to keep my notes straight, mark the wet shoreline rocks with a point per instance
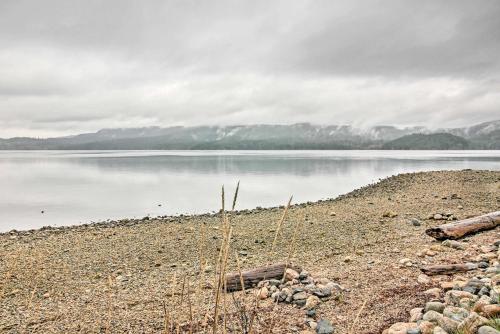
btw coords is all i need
(304, 291)
(460, 306)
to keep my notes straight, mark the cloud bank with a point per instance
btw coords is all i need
(74, 66)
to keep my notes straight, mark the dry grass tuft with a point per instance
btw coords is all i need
(244, 314)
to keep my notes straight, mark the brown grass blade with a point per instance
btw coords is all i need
(280, 224)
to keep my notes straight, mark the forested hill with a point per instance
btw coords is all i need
(435, 141)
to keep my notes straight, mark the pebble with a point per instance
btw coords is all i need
(491, 311)
(405, 261)
(401, 328)
(416, 314)
(437, 248)
(455, 313)
(312, 302)
(487, 330)
(495, 293)
(483, 265)
(473, 322)
(390, 214)
(453, 244)
(275, 296)
(488, 248)
(300, 296)
(274, 282)
(311, 313)
(415, 222)
(432, 316)
(484, 291)
(433, 293)
(324, 327)
(426, 327)
(423, 279)
(303, 275)
(263, 293)
(291, 274)
(434, 306)
(448, 324)
(470, 289)
(323, 291)
(439, 330)
(454, 296)
(466, 303)
(414, 331)
(285, 295)
(322, 280)
(447, 285)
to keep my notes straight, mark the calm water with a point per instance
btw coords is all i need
(73, 187)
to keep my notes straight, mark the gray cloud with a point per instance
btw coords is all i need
(72, 66)
(398, 38)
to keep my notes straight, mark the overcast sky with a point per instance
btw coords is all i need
(76, 66)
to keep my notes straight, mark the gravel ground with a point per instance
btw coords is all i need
(114, 277)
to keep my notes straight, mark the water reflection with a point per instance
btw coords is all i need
(77, 187)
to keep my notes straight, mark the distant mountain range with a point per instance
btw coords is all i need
(266, 137)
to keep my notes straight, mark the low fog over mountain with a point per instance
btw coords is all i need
(265, 136)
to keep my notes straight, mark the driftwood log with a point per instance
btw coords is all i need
(463, 227)
(253, 276)
(448, 269)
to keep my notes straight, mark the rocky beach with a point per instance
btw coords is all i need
(360, 257)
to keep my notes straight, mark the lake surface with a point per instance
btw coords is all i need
(74, 187)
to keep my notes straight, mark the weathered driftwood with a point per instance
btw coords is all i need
(253, 276)
(463, 227)
(448, 269)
